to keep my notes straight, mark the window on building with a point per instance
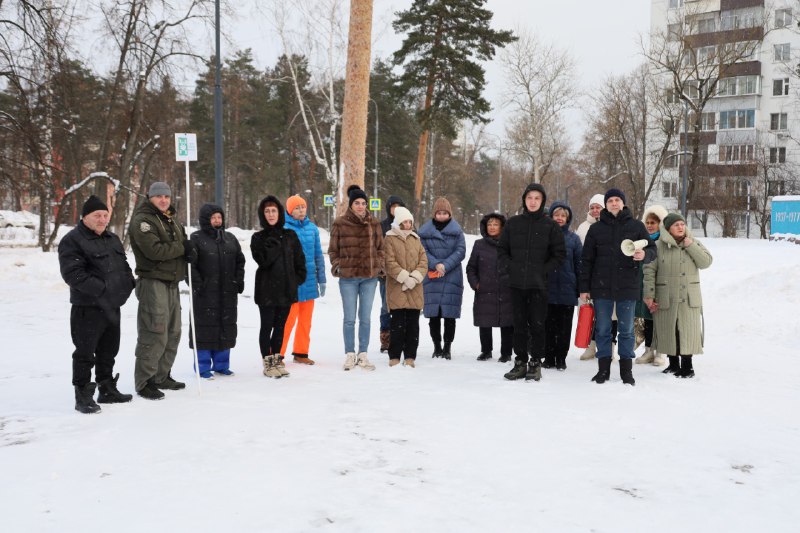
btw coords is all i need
(670, 189)
(776, 188)
(783, 17)
(708, 121)
(783, 52)
(736, 153)
(702, 154)
(673, 4)
(706, 25)
(733, 20)
(670, 160)
(737, 187)
(706, 54)
(737, 86)
(780, 87)
(671, 96)
(737, 119)
(740, 221)
(674, 32)
(778, 121)
(777, 155)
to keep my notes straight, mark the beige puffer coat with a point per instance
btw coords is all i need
(673, 280)
(405, 258)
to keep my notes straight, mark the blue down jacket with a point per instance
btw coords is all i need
(562, 285)
(447, 247)
(308, 233)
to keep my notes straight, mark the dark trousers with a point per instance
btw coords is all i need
(273, 320)
(648, 332)
(404, 336)
(559, 330)
(530, 316)
(95, 335)
(506, 340)
(435, 325)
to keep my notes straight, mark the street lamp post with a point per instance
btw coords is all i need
(748, 208)
(500, 182)
(377, 129)
(685, 158)
(218, 188)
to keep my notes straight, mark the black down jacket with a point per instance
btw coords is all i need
(607, 273)
(531, 246)
(95, 268)
(280, 258)
(217, 280)
(492, 306)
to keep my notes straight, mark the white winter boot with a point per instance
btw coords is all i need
(363, 361)
(269, 367)
(280, 366)
(349, 361)
(658, 359)
(590, 352)
(647, 357)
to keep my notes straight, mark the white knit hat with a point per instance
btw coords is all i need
(598, 199)
(401, 214)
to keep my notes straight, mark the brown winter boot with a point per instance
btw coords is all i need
(302, 359)
(385, 336)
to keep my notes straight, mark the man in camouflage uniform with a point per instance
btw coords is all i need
(162, 250)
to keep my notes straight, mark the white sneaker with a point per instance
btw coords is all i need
(350, 361)
(647, 357)
(658, 359)
(590, 352)
(363, 361)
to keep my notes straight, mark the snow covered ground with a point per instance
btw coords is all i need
(448, 446)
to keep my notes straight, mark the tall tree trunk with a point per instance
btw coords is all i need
(356, 99)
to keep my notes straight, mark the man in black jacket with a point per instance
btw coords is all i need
(531, 247)
(94, 265)
(611, 279)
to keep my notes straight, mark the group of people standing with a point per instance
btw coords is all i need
(528, 273)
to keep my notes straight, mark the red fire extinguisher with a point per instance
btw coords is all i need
(583, 332)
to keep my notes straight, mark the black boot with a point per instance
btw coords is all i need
(170, 384)
(674, 365)
(504, 358)
(446, 351)
(604, 370)
(561, 362)
(485, 356)
(84, 399)
(534, 370)
(518, 372)
(437, 348)
(686, 370)
(150, 392)
(626, 371)
(110, 394)
(549, 361)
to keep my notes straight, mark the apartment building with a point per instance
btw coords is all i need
(739, 63)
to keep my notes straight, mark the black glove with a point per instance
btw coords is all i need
(189, 251)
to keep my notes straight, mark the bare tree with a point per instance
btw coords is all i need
(540, 86)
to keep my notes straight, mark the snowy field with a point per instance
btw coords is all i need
(448, 446)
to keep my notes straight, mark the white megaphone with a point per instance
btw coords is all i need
(629, 247)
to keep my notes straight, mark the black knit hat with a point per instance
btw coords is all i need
(611, 193)
(93, 204)
(672, 218)
(354, 192)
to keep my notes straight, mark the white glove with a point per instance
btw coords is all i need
(409, 283)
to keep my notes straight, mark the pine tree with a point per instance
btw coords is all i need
(445, 40)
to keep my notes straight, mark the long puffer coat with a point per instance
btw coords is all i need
(280, 258)
(562, 285)
(492, 306)
(449, 248)
(405, 257)
(673, 280)
(531, 246)
(217, 281)
(607, 273)
(308, 233)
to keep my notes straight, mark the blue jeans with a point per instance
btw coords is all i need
(625, 314)
(357, 297)
(386, 317)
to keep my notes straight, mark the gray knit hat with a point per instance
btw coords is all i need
(159, 188)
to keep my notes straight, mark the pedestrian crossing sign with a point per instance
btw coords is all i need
(374, 204)
(327, 200)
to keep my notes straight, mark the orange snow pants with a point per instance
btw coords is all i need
(301, 313)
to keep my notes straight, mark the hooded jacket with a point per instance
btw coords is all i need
(280, 258)
(95, 268)
(562, 286)
(217, 280)
(446, 246)
(492, 305)
(607, 273)
(157, 243)
(531, 246)
(308, 233)
(405, 257)
(386, 223)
